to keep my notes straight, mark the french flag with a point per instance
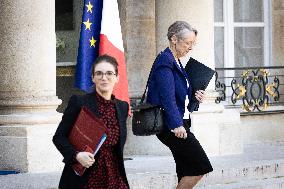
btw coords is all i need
(101, 34)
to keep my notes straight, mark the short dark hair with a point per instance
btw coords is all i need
(108, 59)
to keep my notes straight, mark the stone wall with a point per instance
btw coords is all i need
(278, 38)
(262, 128)
(140, 47)
(27, 89)
(277, 32)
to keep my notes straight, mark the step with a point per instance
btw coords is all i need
(245, 171)
(30, 181)
(272, 183)
(259, 161)
(260, 166)
(161, 172)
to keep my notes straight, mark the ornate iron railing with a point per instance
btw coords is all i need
(255, 89)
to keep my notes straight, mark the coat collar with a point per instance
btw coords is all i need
(175, 63)
(173, 60)
(93, 105)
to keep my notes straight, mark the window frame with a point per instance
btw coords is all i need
(228, 24)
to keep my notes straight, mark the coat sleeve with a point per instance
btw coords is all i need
(60, 138)
(166, 86)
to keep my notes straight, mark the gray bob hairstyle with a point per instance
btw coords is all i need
(179, 29)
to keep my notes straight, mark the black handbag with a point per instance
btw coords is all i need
(147, 119)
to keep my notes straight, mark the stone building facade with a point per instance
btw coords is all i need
(34, 79)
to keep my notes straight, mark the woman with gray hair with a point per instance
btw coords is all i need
(169, 87)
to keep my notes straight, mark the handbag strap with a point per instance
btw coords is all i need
(144, 94)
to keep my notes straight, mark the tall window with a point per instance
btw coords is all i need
(242, 36)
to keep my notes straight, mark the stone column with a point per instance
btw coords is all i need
(210, 124)
(277, 38)
(199, 14)
(277, 35)
(139, 18)
(28, 100)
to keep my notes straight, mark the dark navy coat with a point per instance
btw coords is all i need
(168, 88)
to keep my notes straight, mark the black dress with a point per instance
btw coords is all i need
(190, 158)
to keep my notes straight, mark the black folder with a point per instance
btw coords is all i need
(199, 77)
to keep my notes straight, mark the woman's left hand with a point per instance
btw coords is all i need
(199, 95)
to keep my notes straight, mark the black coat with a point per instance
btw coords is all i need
(69, 180)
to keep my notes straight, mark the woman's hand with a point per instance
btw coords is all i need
(199, 95)
(180, 132)
(85, 158)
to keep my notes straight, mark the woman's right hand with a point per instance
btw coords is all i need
(85, 158)
(180, 132)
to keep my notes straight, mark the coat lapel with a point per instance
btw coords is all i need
(178, 67)
(172, 58)
(93, 106)
(92, 103)
(119, 113)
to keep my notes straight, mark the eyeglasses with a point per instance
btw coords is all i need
(108, 74)
(189, 43)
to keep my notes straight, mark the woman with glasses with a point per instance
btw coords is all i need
(106, 169)
(169, 87)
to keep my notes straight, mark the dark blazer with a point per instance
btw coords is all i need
(69, 180)
(168, 88)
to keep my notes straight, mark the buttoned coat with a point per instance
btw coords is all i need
(168, 87)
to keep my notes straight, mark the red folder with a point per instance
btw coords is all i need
(87, 134)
